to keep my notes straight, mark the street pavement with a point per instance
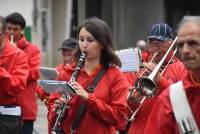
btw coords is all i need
(40, 125)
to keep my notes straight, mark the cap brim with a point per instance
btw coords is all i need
(67, 48)
(159, 38)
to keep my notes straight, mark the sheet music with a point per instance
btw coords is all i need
(51, 86)
(130, 60)
(48, 73)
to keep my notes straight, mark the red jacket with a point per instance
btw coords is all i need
(106, 106)
(145, 56)
(28, 97)
(50, 104)
(44, 96)
(162, 119)
(42, 93)
(138, 124)
(13, 74)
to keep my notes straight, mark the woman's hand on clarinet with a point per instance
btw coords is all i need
(79, 90)
(59, 102)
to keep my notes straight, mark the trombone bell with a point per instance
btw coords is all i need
(145, 86)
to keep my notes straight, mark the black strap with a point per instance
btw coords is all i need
(125, 131)
(82, 107)
(96, 80)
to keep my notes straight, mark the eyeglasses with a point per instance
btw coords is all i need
(155, 41)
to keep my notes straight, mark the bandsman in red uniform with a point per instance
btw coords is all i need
(15, 24)
(162, 119)
(13, 77)
(159, 39)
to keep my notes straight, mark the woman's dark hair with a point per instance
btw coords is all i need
(17, 19)
(101, 32)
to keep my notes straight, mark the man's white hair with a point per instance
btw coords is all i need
(195, 19)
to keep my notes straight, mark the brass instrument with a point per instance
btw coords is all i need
(146, 85)
(169, 60)
(61, 110)
(142, 74)
(12, 39)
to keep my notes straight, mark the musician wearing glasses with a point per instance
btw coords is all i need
(159, 39)
(142, 45)
(105, 103)
(13, 77)
(15, 24)
(162, 118)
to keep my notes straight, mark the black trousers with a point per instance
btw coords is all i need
(10, 124)
(27, 126)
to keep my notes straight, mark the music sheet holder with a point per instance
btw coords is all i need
(51, 86)
(48, 73)
(130, 60)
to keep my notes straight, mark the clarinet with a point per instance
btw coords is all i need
(61, 110)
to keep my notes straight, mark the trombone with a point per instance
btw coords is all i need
(12, 40)
(142, 74)
(146, 86)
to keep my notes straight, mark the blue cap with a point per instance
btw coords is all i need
(161, 31)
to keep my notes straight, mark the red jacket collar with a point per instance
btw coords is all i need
(189, 81)
(22, 42)
(72, 67)
(195, 81)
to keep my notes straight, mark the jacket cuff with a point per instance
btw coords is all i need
(90, 99)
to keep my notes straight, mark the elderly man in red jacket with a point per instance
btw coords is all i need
(15, 24)
(162, 119)
(159, 39)
(13, 77)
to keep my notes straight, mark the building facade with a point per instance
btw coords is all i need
(52, 21)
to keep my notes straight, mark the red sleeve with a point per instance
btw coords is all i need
(34, 63)
(41, 93)
(161, 119)
(131, 77)
(14, 80)
(163, 84)
(173, 73)
(114, 112)
(145, 56)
